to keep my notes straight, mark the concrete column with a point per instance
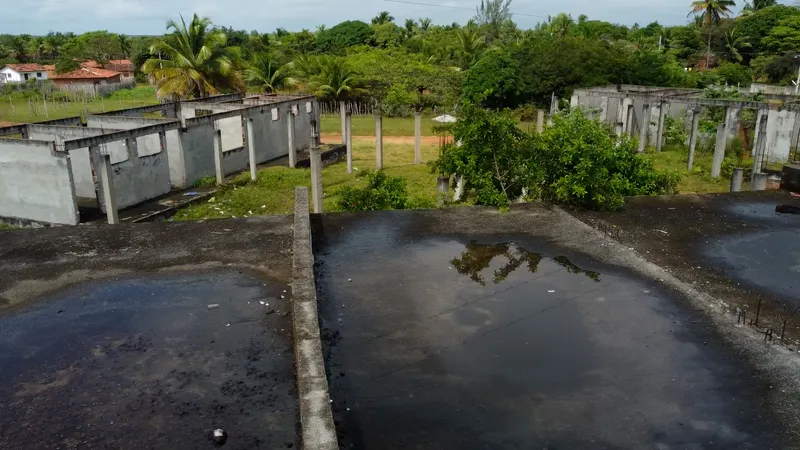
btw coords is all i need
(162, 140)
(736, 179)
(442, 188)
(130, 146)
(349, 141)
(378, 141)
(540, 121)
(719, 152)
(630, 116)
(619, 123)
(316, 179)
(342, 112)
(603, 109)
(760, 146)
(553, 108)
(417, 137)
(251, 147)
(218, 157)
(731, 124)
(693, 135)
(662, 118)
(290, 134)
(758, 135)
(107, 184)
(758, 181)
(574, 101)
(644, 128)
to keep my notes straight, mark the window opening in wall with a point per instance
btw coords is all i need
(275, 114)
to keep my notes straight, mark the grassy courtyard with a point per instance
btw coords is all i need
(273, 192)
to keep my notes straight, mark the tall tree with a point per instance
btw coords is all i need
(382, 18)
(735, 43)
(757, 5)
(266, 72)
(492, 15)
(335, 80)
(470, 46)
(712, 12)
(193, 61)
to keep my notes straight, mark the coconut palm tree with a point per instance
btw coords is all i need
(735, 43)
(383, 18)
(410, 27)
(470, 46)
(424, 24)
(335, 80)
(712, 12)
(268, 74)
(193, 61)
(756, 5)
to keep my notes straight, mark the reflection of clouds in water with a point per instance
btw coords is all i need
(477, 257)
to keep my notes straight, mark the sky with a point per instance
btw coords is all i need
(147, 17)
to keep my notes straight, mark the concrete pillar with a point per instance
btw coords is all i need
(290, 134)
(540, 121)
(251, 147)
(603, 109)
(130, 146)
(758, 181)
(349, 141)
(736, 179)
(460, 186)
(760, 146)
(342, 112)
(417, 137)
(218, 157)
(694, 133)
(378, 141)
(619, 123)
(162, 140)
(574, 101)
(442, 188)
(719, 152)
(553, 108)
(316, 179)
(107, 184)
(731, 124)
(630, 116)
(758, 134)
(644, 128)
(662, 118)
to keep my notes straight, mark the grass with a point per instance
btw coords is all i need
(699, 180)
(365, 125)
(273, 192)
(125, 98)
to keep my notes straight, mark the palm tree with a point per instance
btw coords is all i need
(424, 24)
(193, 61)
(268, 74)
(470, 46)
(712, 12)
(335, 80)
(757, 5)
(734, 42)
(383, 18)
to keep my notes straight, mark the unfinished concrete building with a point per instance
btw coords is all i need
(642, 111)
(119, 159)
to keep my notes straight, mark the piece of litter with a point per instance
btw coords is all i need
(190, 194)
(262, 302)
(250, 212)
(349, 280)
(219, 437)
(662, 231)
(266, 304)
(283, 296)
(284, 291)
(214, 306)
(551, 291)
(348, 409)
(228, 325)
(263, 206)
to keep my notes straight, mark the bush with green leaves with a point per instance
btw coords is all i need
(575, 161)
(380, 192)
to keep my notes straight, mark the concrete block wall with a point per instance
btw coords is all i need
(36, 183)
(137, 179)
(82, 169)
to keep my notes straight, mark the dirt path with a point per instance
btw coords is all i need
(337, 137)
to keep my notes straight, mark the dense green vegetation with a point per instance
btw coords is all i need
(417, 65)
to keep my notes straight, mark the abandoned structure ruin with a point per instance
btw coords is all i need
(642, 111)
(122, 158)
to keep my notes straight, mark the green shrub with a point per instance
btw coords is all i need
(205, 182)
(380, 192)
(420, 202)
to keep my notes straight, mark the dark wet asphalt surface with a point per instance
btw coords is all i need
(465, 342)
(143, 363)
(767, 259)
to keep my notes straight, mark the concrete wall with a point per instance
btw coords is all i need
(82, 172)
(147, 145)
(36, 183)
(139, 178)
(780, 125)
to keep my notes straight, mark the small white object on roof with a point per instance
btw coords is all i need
(445, 118)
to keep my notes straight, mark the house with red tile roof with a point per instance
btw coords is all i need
(87, 79)
(20, 73)
(125, 67)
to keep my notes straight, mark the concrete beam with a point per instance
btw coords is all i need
(119, 136)
(218, 106)
(693, 135)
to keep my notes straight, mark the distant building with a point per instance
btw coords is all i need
(125, 67)
(20, 73)
(88, 80)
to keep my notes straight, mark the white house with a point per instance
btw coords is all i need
(20, 73)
